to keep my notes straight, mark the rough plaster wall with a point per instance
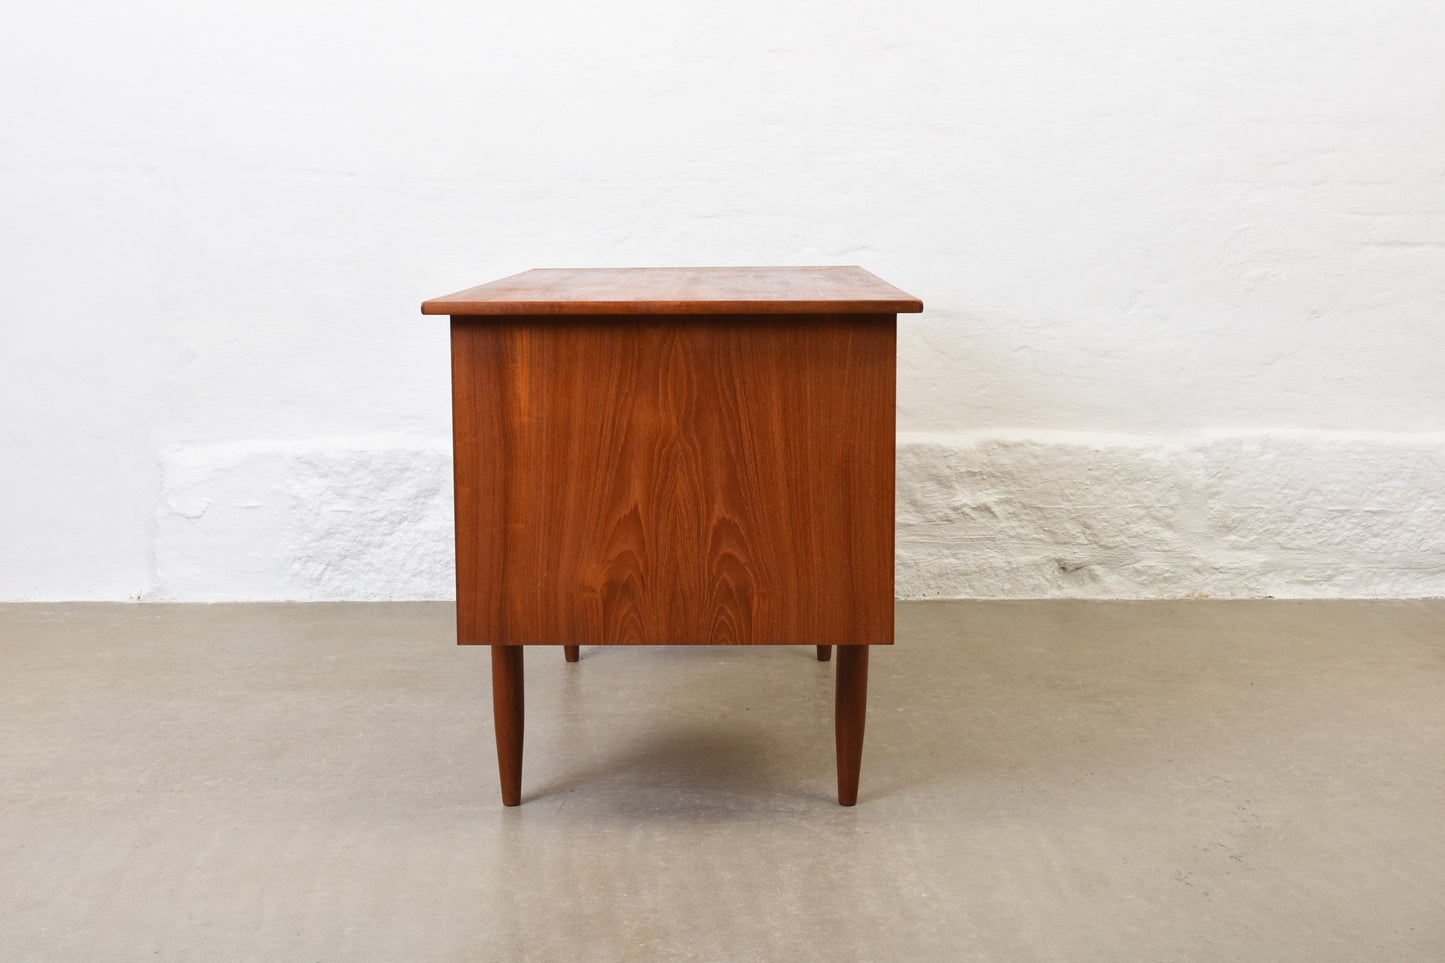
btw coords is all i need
(1298, 515)
(1027, 515)
(323, 519)
(1139, 229)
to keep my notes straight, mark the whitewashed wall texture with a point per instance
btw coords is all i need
(1184, 269)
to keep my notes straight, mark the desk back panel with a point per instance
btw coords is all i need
(698, 479)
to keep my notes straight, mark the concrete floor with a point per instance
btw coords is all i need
(1041, 781)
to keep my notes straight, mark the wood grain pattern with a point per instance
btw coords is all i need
(850, 712)
(679, 291)
(626, 480)
(508, 719)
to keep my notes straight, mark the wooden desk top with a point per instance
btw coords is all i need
(704, 290)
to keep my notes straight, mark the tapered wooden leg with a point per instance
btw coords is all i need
(850, 710)
(571, 652)
(507, 714)
(825, 652)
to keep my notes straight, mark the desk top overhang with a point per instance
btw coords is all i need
(699, 290)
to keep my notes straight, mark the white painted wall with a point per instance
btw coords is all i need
(1184, 268)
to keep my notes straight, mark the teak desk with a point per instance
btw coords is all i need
(675, 456)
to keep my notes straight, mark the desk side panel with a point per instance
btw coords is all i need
(633, 481)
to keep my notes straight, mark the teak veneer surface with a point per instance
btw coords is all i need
(680, 291)
(632, 480)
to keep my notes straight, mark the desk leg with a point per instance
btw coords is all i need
(571, 652)
(825, 652)
(850, 710)
(507, 717)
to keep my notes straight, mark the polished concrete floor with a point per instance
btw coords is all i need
(1067, 781)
